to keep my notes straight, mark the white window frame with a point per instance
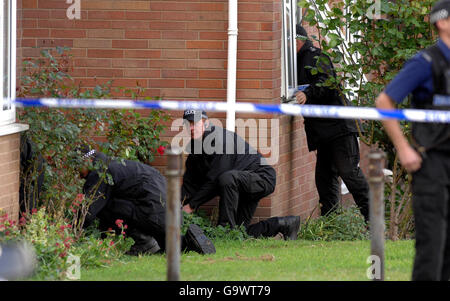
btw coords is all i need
(8, 26)
(347, 37)
(290, 18)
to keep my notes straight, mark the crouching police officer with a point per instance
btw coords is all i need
(220, 163)
(427, 77)
(138, 197)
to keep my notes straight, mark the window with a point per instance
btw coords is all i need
(291, 17)
(7, 60)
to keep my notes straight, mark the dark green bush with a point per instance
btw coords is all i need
(343, 224)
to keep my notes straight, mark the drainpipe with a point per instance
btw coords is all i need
(232, 58)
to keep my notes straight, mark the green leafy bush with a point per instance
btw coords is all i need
(54, 241)
(55, 135)
(384, 35)
(343, 224)
(212, 231)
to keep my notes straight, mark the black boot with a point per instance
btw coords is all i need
(289, 226)
(143, 244)
(197, 241)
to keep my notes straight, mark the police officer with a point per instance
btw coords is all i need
(427, 77)
(334, 139)
(136, 195)
(221, 163)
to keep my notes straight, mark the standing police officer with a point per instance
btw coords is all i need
(334, 139)
(427, 77)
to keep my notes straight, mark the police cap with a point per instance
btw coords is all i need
(194, 115)
(440, 11)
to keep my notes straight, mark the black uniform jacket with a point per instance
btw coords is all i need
(320, 130)
(138, 183)
(204, 168)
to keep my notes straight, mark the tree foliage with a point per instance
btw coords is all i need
(381, 36)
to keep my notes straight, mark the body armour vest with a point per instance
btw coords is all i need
(434, 136)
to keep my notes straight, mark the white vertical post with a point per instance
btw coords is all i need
(232, 63)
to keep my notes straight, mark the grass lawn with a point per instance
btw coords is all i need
(267, 260)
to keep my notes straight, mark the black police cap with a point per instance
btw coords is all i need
(300, 32)
(440, 11)
(194, 115)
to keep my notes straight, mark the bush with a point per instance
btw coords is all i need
(54, 241)
(379, 47)
(211, 231)
(55, 134)
(343, 224)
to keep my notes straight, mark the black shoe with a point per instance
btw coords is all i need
(197, 241)
(289, 226)
(143, 244)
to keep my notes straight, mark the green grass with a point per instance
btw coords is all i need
(267, 260)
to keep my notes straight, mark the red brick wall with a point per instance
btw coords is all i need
(177, 49)
(9, 174)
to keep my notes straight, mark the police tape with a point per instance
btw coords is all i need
(341, 112)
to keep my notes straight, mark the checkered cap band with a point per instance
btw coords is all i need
(89, 154)
(439, 15)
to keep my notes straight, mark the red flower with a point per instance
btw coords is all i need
(22, 221)
(79, 198)
(119, 223)
(33, 211)
(161, 150)
(111, 243)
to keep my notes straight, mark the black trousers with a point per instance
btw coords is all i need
(340, 158)
(148, 218)
(240, 193)
(431, 190)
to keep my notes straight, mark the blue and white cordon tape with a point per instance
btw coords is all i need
(342, 112)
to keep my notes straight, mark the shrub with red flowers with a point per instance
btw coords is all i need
(54, 242)
(56, 228)
(51, 240)
(56, 133)
(98, 249)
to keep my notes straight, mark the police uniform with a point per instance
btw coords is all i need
(223, 164)
(427, 77)
(138, 197)
(334, 139)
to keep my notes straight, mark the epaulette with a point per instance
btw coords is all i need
(427, 57)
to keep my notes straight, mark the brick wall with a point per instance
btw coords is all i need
(9, 174)
(177, 49)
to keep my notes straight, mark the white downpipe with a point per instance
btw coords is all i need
(232, 63)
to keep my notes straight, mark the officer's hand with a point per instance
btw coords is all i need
(410, 159)
(187, 208)
(301, 98)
